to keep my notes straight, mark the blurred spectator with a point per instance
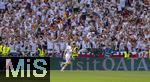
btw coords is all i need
(116, 24)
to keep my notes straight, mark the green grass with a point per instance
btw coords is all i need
(99, 76)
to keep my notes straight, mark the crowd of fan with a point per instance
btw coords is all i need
(117, 24)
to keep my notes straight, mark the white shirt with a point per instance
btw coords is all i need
(12, 48)
(34, 46)
(57, 47)
(34, 8)
(62, 45)
(147, 36)
(121, 47)
(122, 3)
(68, 50)
(85, 45)
(139, 44)
(50, 44)
(2, 5)
(129, 45)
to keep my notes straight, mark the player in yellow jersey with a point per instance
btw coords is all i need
(74, 50)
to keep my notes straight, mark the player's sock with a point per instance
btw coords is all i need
(63, 67)
(61, 64)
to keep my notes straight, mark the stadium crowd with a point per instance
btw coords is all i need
(26, 25)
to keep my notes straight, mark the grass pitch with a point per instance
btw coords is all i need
(99, 76)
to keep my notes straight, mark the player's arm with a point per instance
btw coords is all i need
(65, 52)
(77, 50)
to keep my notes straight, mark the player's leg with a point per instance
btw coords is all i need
(66, 64)
(68, 61)
(64, 67)
(63, 63)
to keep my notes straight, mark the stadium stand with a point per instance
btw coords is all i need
(31, 27)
